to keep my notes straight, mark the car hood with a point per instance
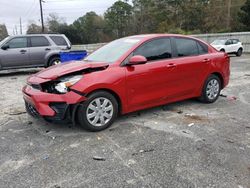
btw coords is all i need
(56, 71)
(217, 46)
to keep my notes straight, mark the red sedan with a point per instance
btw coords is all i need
(127, 75)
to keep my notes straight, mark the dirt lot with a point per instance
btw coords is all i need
(186, 144)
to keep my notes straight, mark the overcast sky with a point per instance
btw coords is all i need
(28, 10)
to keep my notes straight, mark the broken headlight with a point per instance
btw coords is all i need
(65, 83)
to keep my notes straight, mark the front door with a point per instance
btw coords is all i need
(148, 83)
(17, 55)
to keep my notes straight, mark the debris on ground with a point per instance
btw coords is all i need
(191, 124)
(47, 131)
(231, 98)
(15, 113)
(180, 112)
(230, 141)
(13, 78)
(143, 151)
(247, 74)
(98, 158)
(30, 123)
(46, 157)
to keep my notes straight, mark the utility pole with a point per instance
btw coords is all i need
(41, 10)
(21, 27)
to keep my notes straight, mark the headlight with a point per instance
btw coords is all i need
(65, 83)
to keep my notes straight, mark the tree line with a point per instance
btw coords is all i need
(152, 16)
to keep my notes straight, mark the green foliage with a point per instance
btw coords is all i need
(244, 15)
(152, 16)
(33, 28)
(118, 18)
(3, 31)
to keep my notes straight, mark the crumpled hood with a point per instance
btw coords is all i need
(67, 68)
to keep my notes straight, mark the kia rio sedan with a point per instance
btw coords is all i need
(127, 75)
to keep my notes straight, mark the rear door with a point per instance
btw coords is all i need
(147, 84)
(17, 55)
(192, 64)
(39, 47)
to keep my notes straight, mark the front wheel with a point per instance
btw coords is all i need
(211, 89)
(239, 52)
(98, 112)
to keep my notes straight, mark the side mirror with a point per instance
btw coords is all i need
(5, 47)
(137, 59)
(227, 43)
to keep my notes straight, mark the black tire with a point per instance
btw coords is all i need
(82, 111)
(53, 61)
(222, 50)
(205, 98)
(239, 52)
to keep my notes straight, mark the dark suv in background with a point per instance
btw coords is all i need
(38, 50)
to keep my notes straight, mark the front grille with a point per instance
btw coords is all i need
(61, 110)
(31, 110)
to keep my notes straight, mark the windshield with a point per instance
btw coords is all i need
(3, 41)
(219, 42)
(111, 52)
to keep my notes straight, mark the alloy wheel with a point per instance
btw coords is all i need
(213, 89)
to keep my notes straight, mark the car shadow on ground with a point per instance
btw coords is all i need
(61, 128)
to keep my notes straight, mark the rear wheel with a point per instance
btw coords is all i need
(54, 61)
(239, 52)
(98, 112)
(211, 89)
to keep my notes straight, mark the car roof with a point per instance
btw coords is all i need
(145, 37)
(33, 35)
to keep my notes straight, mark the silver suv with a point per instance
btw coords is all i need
(38, 50)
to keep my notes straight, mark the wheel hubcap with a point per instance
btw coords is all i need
(213, 89)
(56, 62)
(99, 111)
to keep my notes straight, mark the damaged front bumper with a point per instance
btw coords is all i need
(52, 107)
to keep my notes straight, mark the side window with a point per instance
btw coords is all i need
(20, 42)
(229, 42)
(186, 47)
(203, 49)
(235, 41)
(58, 40)
(156, 49)
(39, 41)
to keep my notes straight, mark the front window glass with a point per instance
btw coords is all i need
(111, 52)
(156, 49)
(20, 42)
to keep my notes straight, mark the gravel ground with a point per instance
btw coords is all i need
(185, 144)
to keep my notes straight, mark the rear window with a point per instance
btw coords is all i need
(203, 49)
(39, 41)
(186, 47)
(58, 40)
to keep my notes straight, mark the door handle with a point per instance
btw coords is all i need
(171, 65)
(23, 51)
(47, 49)
(206, 60)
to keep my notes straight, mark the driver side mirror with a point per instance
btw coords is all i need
(5, 46)
(137, 59)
